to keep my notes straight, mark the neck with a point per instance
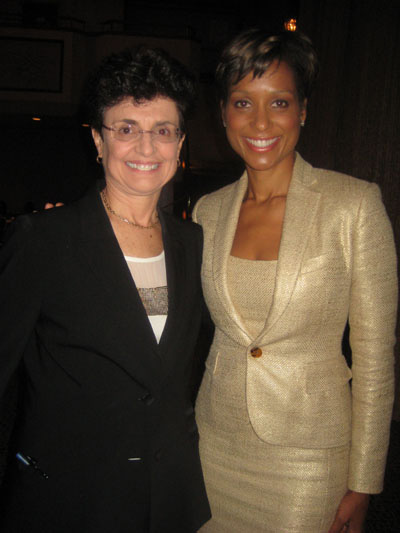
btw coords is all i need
(267, 184)
(139, 209)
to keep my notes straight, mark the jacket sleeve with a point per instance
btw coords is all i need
(204, 338)
(195, 212)
(372, 319)
(20, 289)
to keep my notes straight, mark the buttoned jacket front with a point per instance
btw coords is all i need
(106, 410)
(336, 263)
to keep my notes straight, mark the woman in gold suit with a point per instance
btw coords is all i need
(292, 439)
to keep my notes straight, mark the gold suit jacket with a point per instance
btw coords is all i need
(336, 263)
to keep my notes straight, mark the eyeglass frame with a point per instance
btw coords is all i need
(154, 136)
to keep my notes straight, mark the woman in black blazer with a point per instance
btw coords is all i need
(102, 305)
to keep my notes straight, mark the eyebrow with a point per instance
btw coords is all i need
(277, 91)
(135, 122)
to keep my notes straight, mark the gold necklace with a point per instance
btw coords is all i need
(111, 210)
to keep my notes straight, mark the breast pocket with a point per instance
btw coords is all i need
(327, 262)
(320, 292)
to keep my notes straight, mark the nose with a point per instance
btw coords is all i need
(261, 118)
(145, 144)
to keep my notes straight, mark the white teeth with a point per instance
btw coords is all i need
(261, 143)
(142, 166)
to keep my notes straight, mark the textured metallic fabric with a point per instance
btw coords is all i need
(336, 262)
(258, 487)
(154, 300)
(249, 482)
(254, 303)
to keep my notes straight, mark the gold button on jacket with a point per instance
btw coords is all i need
(256, 352)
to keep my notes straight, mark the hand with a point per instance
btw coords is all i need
(48, 205)
(351, 513)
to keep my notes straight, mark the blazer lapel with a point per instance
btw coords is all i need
(174, 263)
(301, 208)
(225, 233)
(100, 249)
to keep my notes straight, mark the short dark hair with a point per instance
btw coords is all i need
(142, 73)
(253, 50)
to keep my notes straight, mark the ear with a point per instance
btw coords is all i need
(223, 113)
(180, 144)
(303, 110)
(98, 141)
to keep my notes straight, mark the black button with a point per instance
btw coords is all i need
(148, 399)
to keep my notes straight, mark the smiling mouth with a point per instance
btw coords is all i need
(142, 166)
(261, 143)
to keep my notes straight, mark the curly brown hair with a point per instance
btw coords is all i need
(142, 73)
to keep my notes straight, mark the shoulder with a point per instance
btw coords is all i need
(183, 236)
(338, 187)
(208, 205)
(184, 228)
(44, 229)
(31, 226)
(332, 181)
(189, 233)
(24, 242)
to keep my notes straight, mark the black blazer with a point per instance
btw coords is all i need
(106, 411)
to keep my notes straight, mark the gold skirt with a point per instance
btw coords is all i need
(256, 487)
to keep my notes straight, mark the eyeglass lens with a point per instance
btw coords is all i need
(165, 133)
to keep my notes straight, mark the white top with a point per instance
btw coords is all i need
(150, 277)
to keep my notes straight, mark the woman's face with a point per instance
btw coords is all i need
(143, 166)
(263, 116)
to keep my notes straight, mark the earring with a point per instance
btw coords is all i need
(178, 162)
(99, 159)
(224, 124)
(302, 123)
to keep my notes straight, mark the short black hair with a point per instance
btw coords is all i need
(141, 73)
(254, 50)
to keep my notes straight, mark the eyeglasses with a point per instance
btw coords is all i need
(125, 132)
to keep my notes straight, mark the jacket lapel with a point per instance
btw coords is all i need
(123, 307)
(301, 208)
(174, 263)
(225, 233)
